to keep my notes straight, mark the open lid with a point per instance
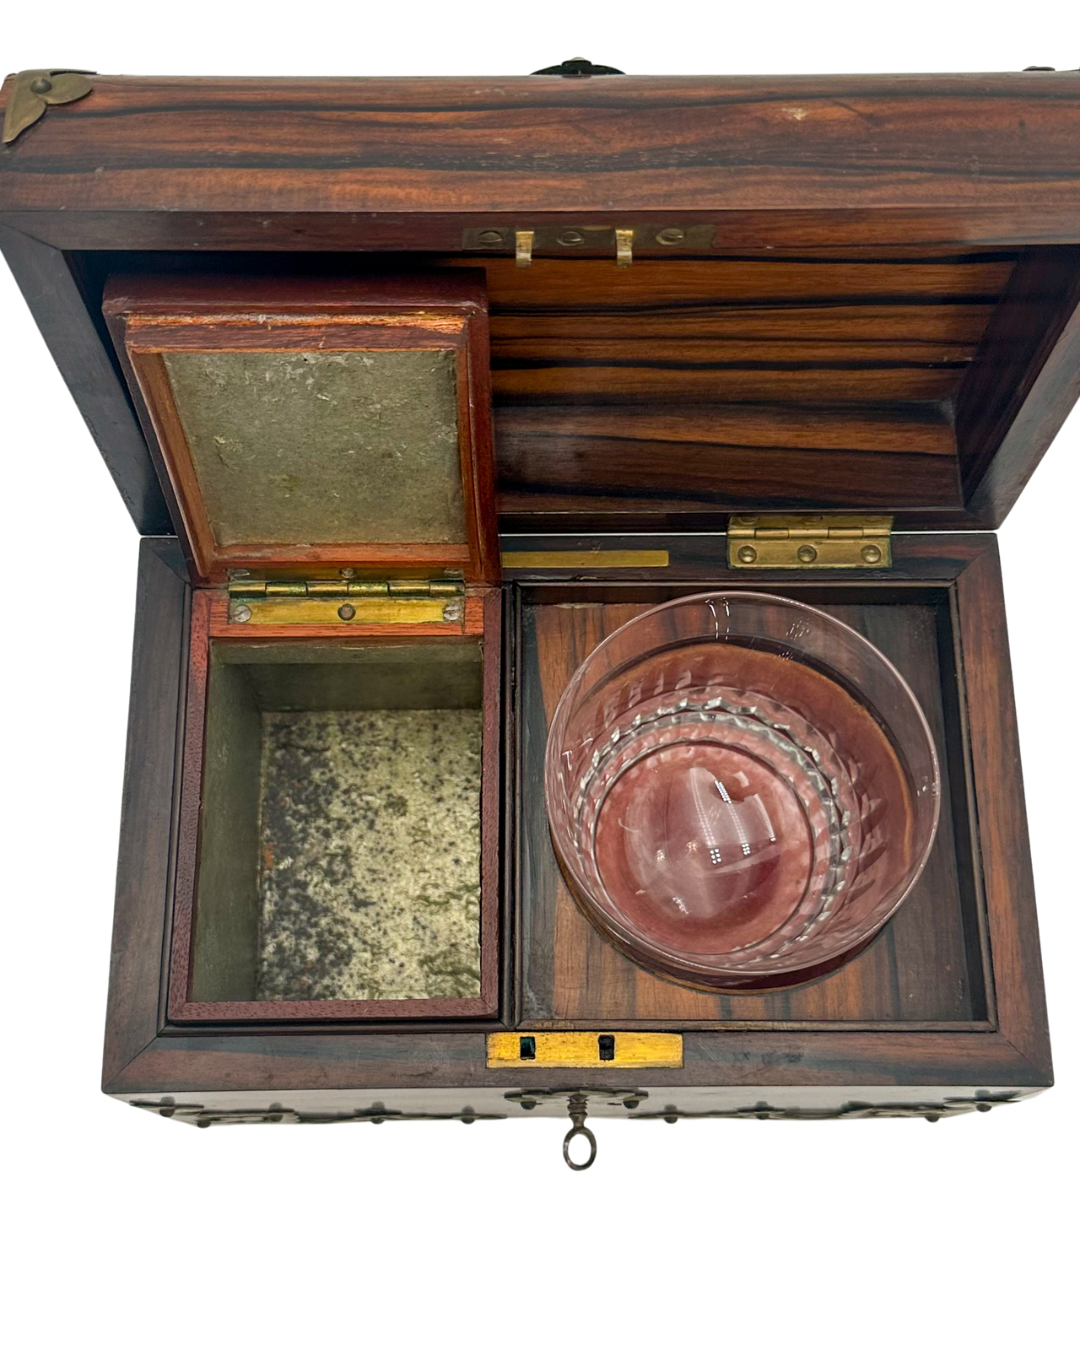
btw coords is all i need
(317, 423)
(709, 295)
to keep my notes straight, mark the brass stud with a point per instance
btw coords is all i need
(672, 235)
(42, 85)
(346, 612)
(871, 553)
(747, 554)
(806, 553)
(240, 614)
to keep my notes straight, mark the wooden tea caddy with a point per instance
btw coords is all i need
(805, 335)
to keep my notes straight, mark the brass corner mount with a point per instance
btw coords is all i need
(33, 91)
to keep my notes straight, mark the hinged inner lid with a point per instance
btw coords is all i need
(318, 423)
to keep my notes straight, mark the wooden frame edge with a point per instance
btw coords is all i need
(1001, 821)
(149, 813)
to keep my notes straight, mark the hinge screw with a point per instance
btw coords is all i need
(806, 553)
(346, 612)
(571, 238)
(871, 553)
(672, 235)
(348, 573)
(747, 554)
(240, 614)
(490, 237)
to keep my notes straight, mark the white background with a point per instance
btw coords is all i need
(123, 1225)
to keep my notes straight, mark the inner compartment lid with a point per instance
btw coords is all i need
(301, 423)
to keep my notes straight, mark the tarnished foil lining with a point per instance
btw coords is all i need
(323, 447)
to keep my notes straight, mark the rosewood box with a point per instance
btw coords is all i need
(418, 389)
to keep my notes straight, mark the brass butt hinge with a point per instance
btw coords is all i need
(344, 600)
(808, 542)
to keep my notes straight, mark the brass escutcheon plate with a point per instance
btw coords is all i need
(584, 1050)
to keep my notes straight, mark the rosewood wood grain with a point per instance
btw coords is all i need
(180, 940)
(181, 1008)
(86, 363)
(754, 381)
(493, 146)
(561, 465)
(1023, 382)
(492, 907)
(768, 233)
(565, 468)
(1001, 821)
(743, 329)
(146, 1057)
(218, 1061)
(148, 813)
(739, 329)
(880, 178)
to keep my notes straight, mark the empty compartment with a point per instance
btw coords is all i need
(340, 836)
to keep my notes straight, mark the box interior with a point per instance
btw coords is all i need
(340, 825)
(758, 383)
(928, 967)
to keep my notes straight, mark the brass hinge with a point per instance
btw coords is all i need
(810, 541)
(344, 600)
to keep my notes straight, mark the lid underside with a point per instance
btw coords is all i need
(300, 424)
(847, 293)
(323, 447)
